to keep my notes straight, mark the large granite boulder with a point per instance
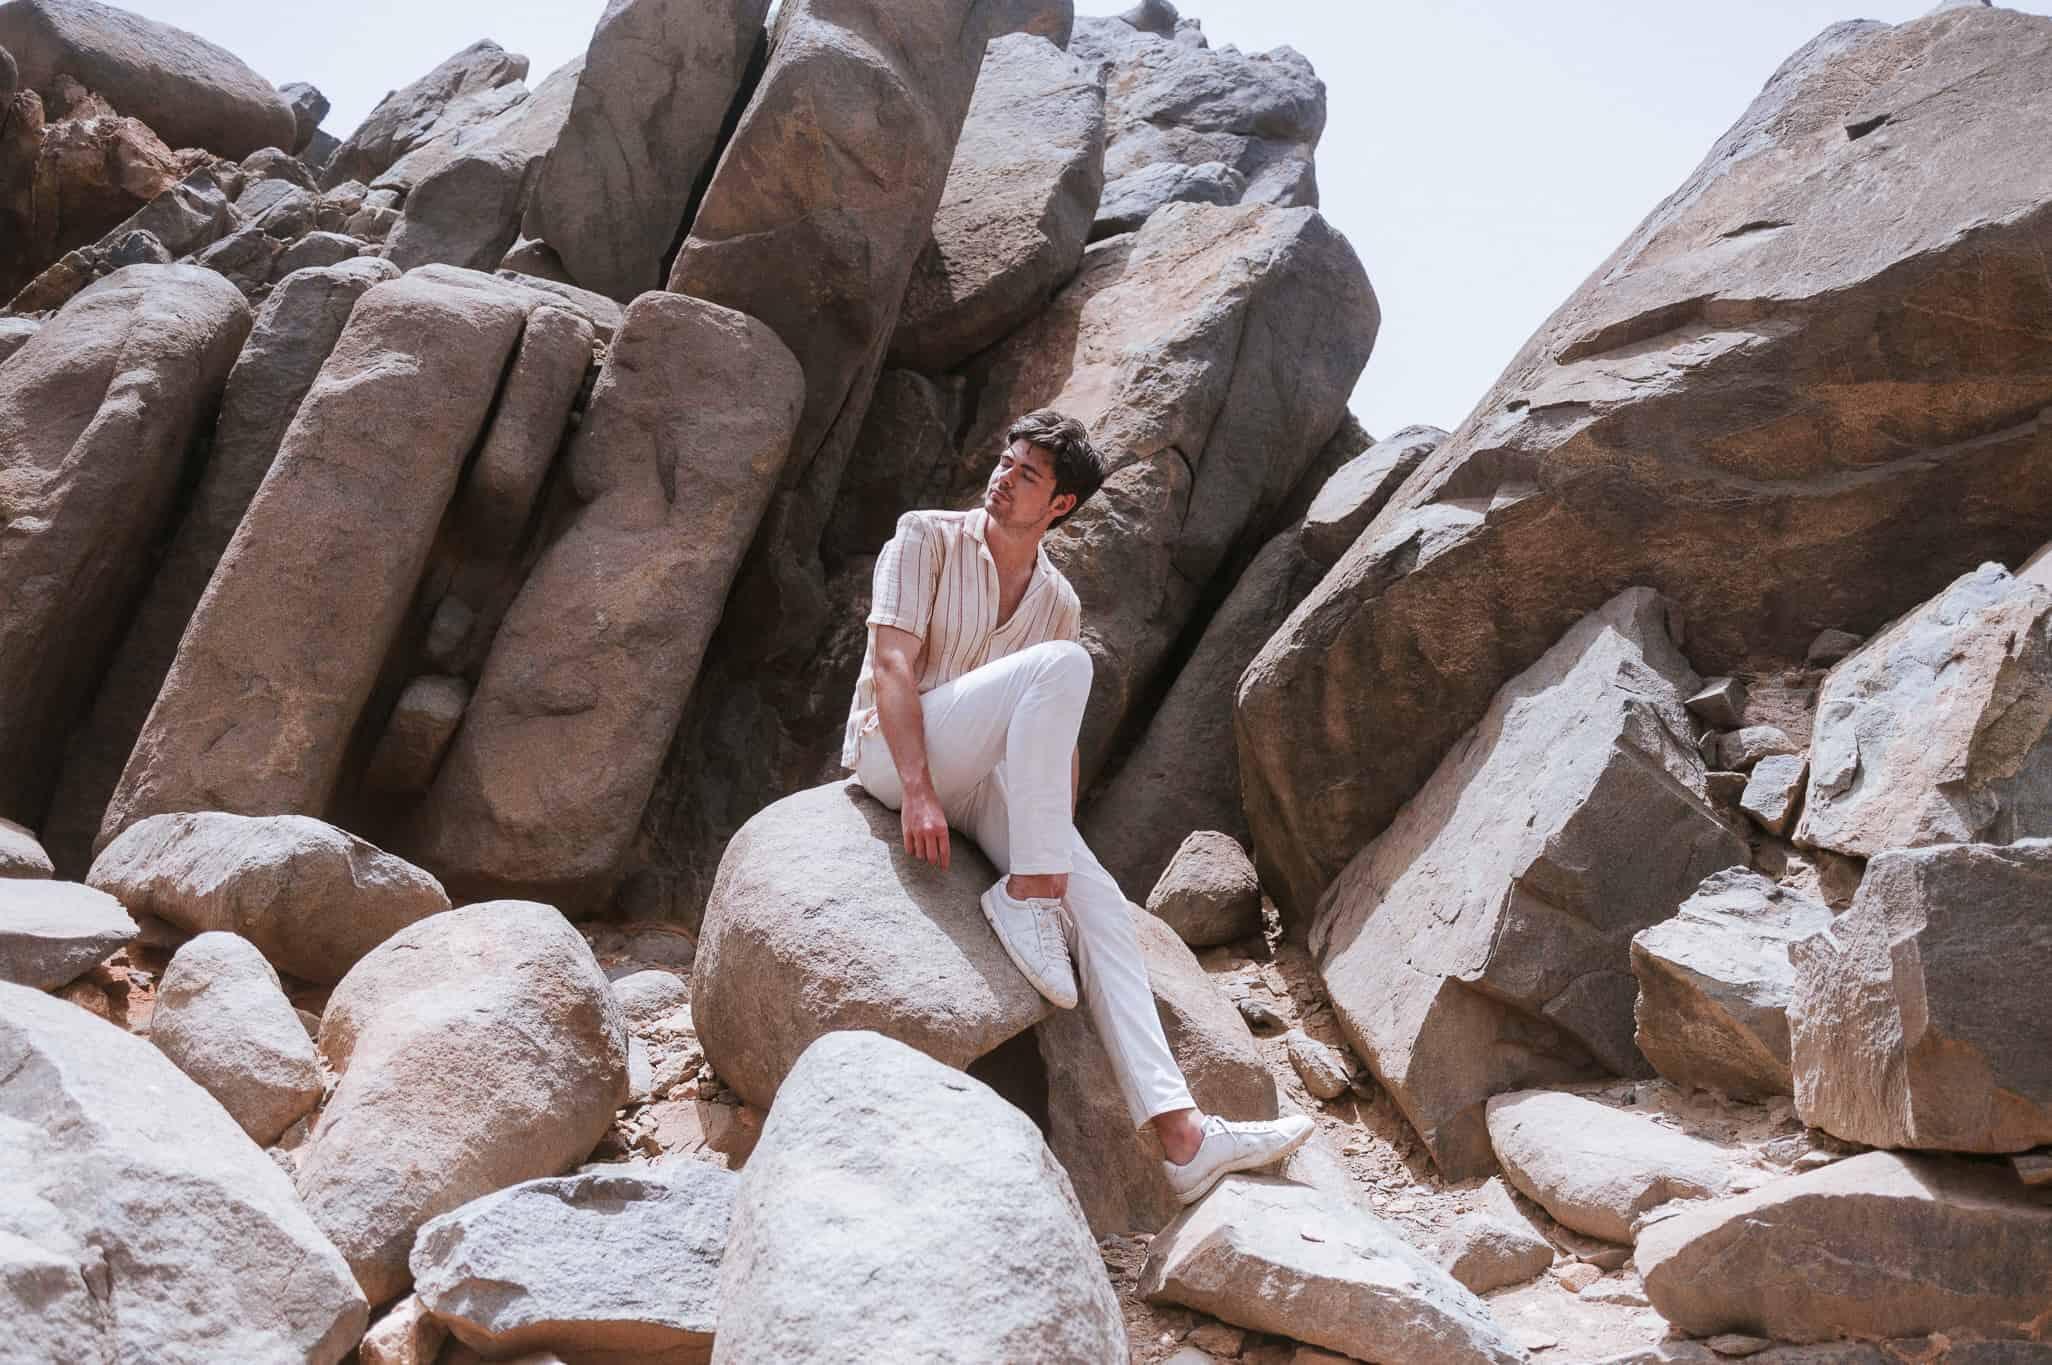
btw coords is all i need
(1184, 775)
(1880, 1245)
(222, 1018)
(192, 93)
(284, 648)
(676, 459)
(475, 1050)
(964, 1245)
(139, 1222)
(820, 205)
(1596, 1169)
(98, 412)
(51, 933)
(821, 921)
(495, 503)
(1939, 729)
(1118, 1181)
(623, 1260)
(1211, 355)
(1208, 893)
(1482, 943)
(66, 184)
(1715, 984)
(1300, 1262)
(1169, 101)
(1775, 403)
(1918, 1018)
(465, 211)
(313, 898)
(295, 329)
(464, 90)
(1018, 205)
(1362, 487)
(609, 197)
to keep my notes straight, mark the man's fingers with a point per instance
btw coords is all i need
(944, 851)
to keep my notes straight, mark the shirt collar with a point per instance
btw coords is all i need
(977, 524)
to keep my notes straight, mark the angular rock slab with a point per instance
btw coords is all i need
(609, 196)
(222, 1018)
(1276, 1257)
(1020, 197)
(1715, 984)
(475, 1049)
(1482, 944)
(678, 454)
(1596, 1169)
(542, 1266)
(295, 330)
(190, 92)
(51, 933)
(435, 105)
(1939, 729)
(1361, 488)
(313, 899)
(1918, 1018)
(140, 1223)
(1495, 1244)
(1757, 345)
(285, 646)
(819, 920)
(97, 415)
(1119, 1182)
(21, 855)
(964, 1245)
(1879, 1245)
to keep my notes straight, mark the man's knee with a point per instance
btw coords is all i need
(1066, 662)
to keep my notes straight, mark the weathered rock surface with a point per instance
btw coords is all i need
(1939, 729)
(1495, 1244)
(1596, 1169)
(97, 414)
(222, 1018)
(610, 196)
(253, 717)
(67, 181)
(821, 921)
(1879, 1245)
(140, 1223)
(1289, 1259)
(966, 1245)
(309, 106)
(1748, 746)
(1119, 1183)
(496, 1021)
(907, 435)
(52, 932)
(452, 95)
(1481, 944)
(407, 1335)
(192, 93)
(1322, 1068)
(465, 211)
(1132, 199)
(21, 855)
(598, 653)
(1017, 208)
(424, 720)
(1362, 487)
(1759, 376)
(1184, 774)
(497, 499)
(1918, 1017)
(1773, 790)
(313, 899)
(294, 332)
(1208, 893)
(540, 1266)
(1715, 984)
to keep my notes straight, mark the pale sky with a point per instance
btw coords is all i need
(1483, 156)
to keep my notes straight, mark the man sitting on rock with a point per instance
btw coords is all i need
(970, 697)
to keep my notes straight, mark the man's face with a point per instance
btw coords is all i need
(1021, 492)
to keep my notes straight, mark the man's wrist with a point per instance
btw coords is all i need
(918, 784)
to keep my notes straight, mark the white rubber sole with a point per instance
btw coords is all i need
(1065, 1000)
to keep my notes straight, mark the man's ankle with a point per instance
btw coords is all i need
(1050, 886)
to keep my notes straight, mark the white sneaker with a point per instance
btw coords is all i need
(1031, 931)
(1229, 1147)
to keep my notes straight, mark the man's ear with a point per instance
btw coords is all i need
(1061, 504)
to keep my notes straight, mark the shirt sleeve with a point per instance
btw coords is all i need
(1068, 623)
(907, 578)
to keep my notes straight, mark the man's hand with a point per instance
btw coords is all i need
(926, 828)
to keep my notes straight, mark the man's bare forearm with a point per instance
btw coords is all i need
(904, 728)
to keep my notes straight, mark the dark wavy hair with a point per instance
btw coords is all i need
(1078, 467)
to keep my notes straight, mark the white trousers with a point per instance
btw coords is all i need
(998, 741)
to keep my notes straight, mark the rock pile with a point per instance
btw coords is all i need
(419, 540)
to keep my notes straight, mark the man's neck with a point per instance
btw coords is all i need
(1012, 550)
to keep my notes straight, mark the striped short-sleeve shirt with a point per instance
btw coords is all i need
(936, 579)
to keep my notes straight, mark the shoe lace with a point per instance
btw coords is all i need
(1047, 930)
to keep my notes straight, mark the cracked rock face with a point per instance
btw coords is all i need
(1778, 403)
(1482, 944)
